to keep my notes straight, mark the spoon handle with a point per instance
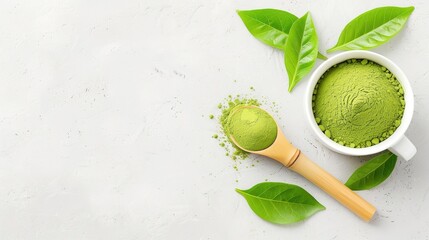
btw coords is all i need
(333, 187)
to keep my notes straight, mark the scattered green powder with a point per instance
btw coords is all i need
(234, 152)
(252, 128)
(358, 103)
(211, 116)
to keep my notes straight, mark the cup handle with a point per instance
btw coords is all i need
(404, 148)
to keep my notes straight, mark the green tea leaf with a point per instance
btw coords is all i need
(280, 202)
(373, 28)
(373, 172)
(270, 26)
(301, 49)
(321, 56)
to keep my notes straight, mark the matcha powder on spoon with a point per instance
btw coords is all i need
(252, 128)
(233, 120)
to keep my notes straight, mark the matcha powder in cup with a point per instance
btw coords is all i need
(358, 103)
(251, 127)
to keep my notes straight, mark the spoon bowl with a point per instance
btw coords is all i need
(280, 150)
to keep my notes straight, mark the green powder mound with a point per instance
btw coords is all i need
(358, 103)
(227, 109)
(252, 128)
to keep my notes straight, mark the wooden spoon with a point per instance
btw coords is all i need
(282, 151)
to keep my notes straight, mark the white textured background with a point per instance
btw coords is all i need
(104, 129)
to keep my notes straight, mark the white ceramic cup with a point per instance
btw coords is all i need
(397, 143)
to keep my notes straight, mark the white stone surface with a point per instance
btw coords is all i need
(104, 129)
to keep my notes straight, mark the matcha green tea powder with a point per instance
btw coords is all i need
(251, 127)
(242, 120)
(226, 108)
(358, 103)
